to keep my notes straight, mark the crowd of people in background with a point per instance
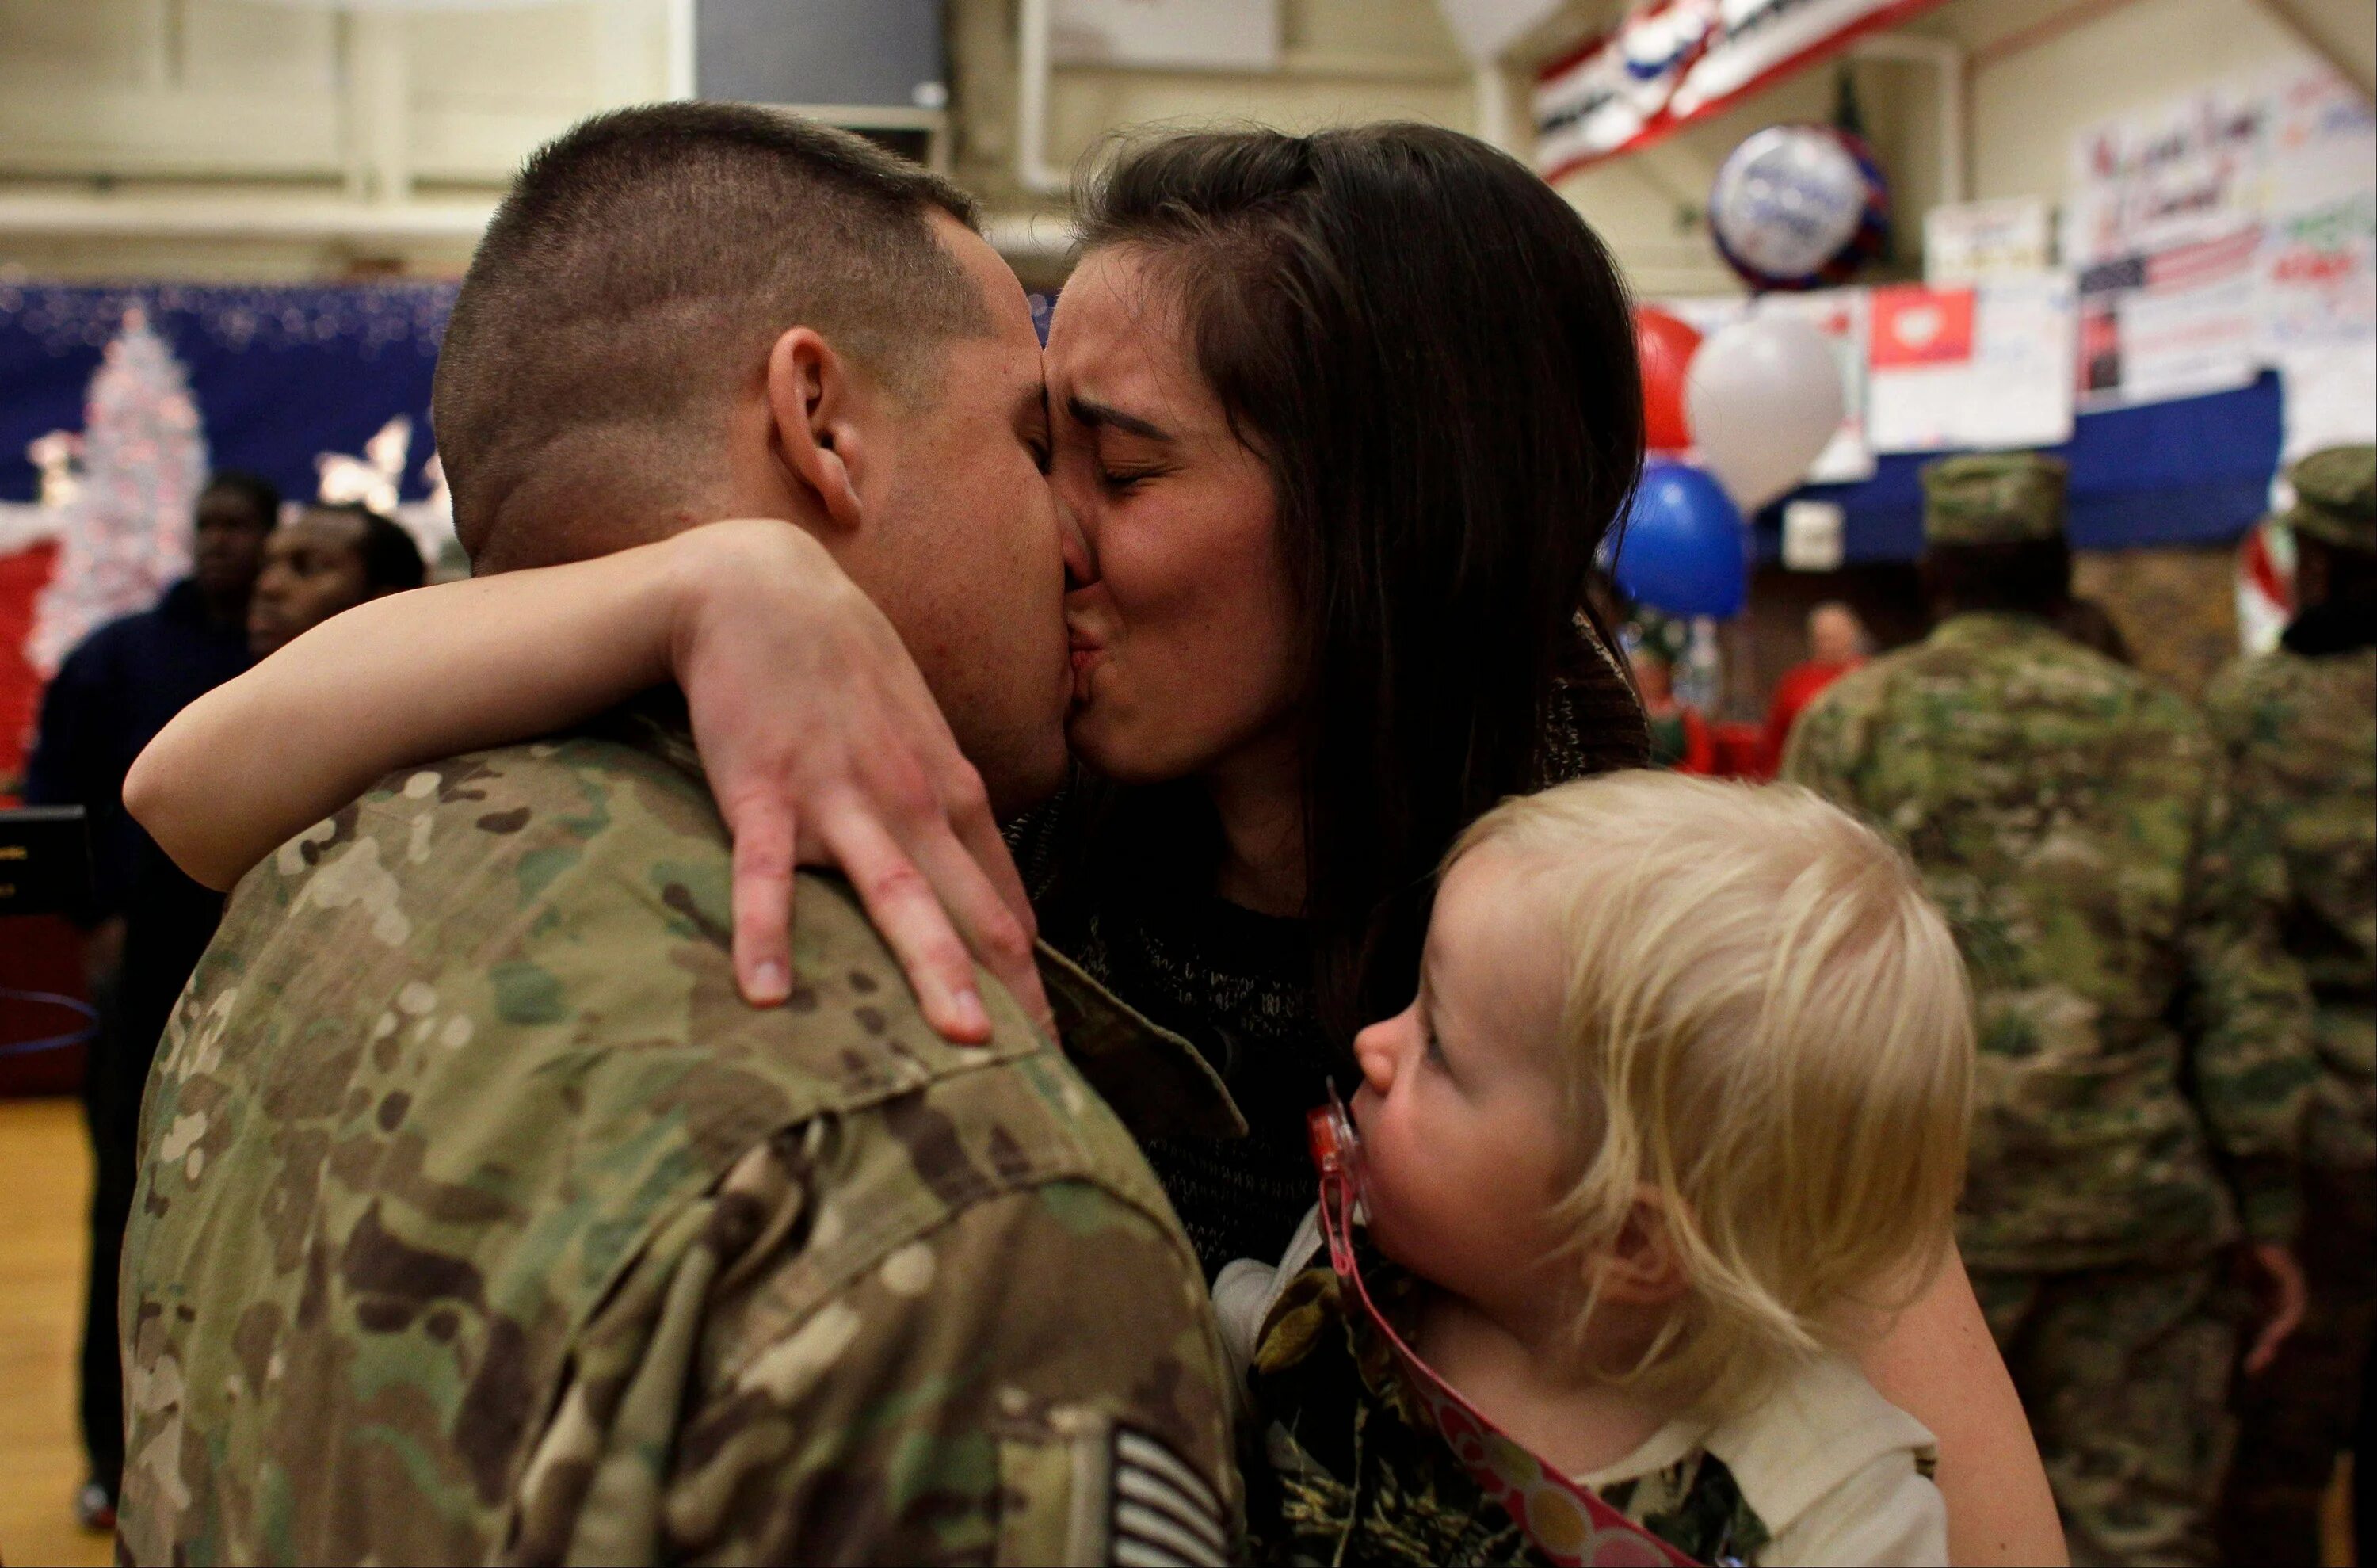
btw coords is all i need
(1686, 737)
(257, 580)
(2170, 914)
(2137, 1138)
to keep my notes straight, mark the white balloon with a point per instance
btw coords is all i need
(1765, 396)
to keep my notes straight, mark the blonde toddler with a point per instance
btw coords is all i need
(1675, 1121)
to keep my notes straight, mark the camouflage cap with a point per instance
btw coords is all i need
(1993, 498)
(2335, 496)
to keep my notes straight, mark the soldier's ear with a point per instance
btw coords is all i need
(812, 403)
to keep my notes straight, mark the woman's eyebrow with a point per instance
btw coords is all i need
(1094, 415)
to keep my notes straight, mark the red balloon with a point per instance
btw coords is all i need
(1665, 345)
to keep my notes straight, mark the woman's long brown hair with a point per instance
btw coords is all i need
(1435, 357)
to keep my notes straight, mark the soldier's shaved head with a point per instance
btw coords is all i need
(630, 283)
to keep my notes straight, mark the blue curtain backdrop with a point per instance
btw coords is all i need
(2194, 472)
(283, 374)
(278, 373)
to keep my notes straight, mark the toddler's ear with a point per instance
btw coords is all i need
(1643, 1266)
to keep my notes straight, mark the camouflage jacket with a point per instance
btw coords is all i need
(2301, 737)
(479, 1219)
(1351, 1469)
(2072, 822)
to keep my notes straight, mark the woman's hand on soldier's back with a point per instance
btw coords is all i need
(824, 748)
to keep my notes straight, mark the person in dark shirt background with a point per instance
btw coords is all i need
(109, 698)
(253, 588)
(327, 559)
(124, 681)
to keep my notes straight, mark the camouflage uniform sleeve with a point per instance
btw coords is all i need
(931, 1408)
(1820, 753)
(2226, 711)
(934, 1409)
(2253, 1064)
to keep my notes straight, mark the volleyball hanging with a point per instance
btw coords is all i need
(1799, 206)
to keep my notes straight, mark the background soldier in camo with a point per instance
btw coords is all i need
(2073, 821)
(481, 1217)
(2300, 726)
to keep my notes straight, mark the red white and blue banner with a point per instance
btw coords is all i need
(1672, 62)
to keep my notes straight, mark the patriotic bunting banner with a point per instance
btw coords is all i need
(1669, 63)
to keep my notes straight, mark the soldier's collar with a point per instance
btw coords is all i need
(1157, 1082)
(1971, 626)
(2340, 625)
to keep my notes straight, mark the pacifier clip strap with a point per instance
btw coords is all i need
(1566, 1522)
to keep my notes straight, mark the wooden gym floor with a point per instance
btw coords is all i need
(43, 1238)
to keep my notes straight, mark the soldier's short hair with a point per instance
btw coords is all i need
(255, 491)
(2027, 577)
(1767, 1023)
(391, 559)
(644, 261)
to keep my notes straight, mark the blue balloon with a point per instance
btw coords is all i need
(1682, 550)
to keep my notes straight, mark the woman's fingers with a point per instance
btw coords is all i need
(763, 829)
(977, 831)
(989, 927)
(907, 912)
(809, 712)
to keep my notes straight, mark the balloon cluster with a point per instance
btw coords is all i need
(1755, 402)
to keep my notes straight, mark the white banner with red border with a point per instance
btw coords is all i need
(1672, 62)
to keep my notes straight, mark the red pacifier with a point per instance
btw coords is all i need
(1566, 1522)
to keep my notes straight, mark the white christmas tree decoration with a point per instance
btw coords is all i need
(431, 523)
(371, 479)
(57, 458)
(127, 537)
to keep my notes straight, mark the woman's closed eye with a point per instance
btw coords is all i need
(1125, 481)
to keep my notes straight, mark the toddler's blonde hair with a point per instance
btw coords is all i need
(1766, 1023)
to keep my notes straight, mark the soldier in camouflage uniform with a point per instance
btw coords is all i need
(2300, 726)
(481, 1219)
(2073, 821)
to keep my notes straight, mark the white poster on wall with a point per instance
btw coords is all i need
(2182, 173)
(2230, 230)
(1988, 366)
(2330, 397)
(2163, 225)
(1973, 240)
(2319, 259)
(2175, 322)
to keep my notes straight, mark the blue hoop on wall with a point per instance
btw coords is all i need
(89, 1015)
